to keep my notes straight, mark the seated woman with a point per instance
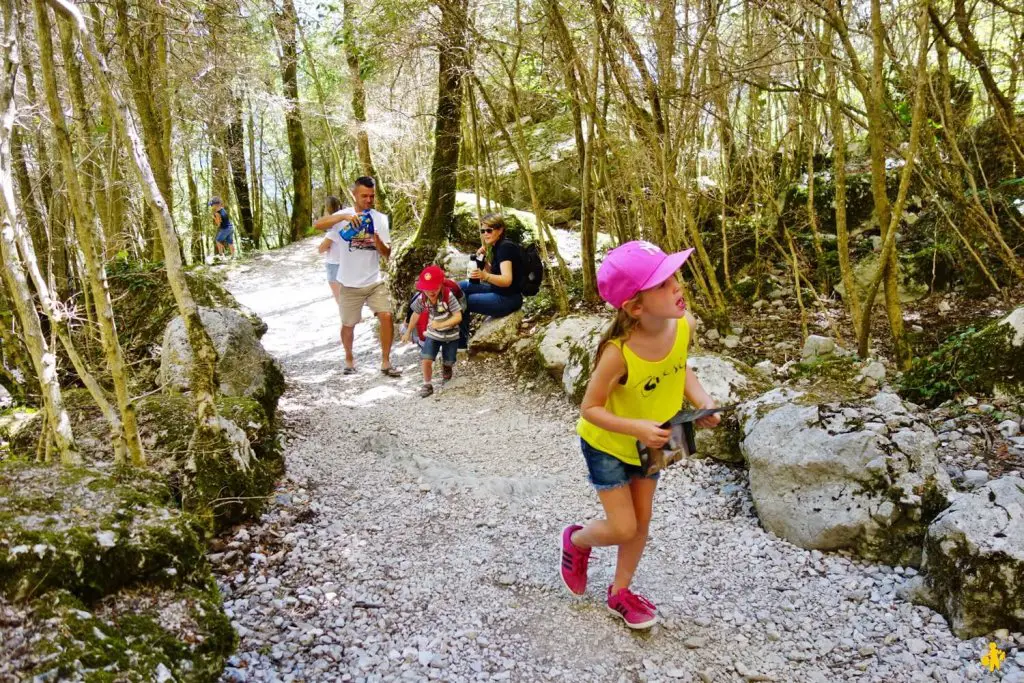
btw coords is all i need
(495, 291)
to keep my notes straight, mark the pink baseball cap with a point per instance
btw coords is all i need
(633, 267)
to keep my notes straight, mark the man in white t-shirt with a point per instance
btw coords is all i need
(360, 248)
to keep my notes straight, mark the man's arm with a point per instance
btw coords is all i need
(327, 222)
(383, 249)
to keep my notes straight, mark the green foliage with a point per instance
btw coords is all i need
(970, 361)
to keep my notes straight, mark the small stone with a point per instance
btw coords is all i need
(874, 370)
(975, 478)
(731, 342)
(695, 642)
(1009, 428)
(917, 646)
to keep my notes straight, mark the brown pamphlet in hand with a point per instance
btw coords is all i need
(682, 440)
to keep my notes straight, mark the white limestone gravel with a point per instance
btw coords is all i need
(416, 539)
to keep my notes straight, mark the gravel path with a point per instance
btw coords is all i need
(416, 539)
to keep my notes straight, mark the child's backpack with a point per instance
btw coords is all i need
(448, 287)
(533, 270)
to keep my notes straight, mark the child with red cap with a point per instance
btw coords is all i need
(639, 381)
(445, 311)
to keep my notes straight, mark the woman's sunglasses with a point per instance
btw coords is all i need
(486, 230)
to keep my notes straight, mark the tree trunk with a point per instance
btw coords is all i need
(195, 213)
(236, 158)
(86, 230)
(203, 381)
(43, 359)
(144, 46)
(439, 213)
(355, 71)
(285, 22)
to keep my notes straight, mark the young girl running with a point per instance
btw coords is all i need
(638, 383)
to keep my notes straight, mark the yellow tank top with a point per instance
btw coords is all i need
(653, 391)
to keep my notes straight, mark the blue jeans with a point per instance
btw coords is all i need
(606, 472)
(481, 298)
(429, 348)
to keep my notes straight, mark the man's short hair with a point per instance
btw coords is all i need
(214, 201)
(365, 181)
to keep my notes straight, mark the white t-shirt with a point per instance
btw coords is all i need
(334, 255)
(359, 260)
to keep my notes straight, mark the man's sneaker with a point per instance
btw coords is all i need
(637, 611)
(574, 562)
(446, 372)
(426, 390)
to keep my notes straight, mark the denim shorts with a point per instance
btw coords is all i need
(448, 349)
(605, 471)
(226, 236)
(332, 272)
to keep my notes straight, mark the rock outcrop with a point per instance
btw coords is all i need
(831, 476)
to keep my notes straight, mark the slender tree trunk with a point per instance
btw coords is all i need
(286, 24)
(850, 296)
(235, 139)
(86, 230)
(144, 46)
(43, 359)
(362, 140)
(195, 213)
(257, 190)
(204, 373)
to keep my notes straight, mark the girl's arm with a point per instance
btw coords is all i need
(325, 246)
(327, 222)
(216, 218)
(611, 367)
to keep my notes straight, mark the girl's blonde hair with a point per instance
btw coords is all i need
(494, 220)
(620, 328)
(333, 204)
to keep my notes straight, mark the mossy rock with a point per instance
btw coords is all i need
(91, 530)
(985, 362)
(144, 304)
(139, 635)
(218, 492)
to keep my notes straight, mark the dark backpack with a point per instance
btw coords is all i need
(533, 269)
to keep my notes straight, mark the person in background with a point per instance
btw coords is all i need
(225, 230)
(494, 289)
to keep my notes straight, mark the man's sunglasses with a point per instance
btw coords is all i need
(487, 230)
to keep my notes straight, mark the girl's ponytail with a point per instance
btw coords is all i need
(620, 328)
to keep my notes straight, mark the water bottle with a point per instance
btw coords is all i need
(470, 268)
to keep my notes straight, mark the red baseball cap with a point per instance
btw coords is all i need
(432, 277)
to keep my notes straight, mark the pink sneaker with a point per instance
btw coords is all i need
(574, 562)
(636, 610)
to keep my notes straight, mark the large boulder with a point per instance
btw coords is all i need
(496, 334)
(562, 335)
(974, 560)
(727, 381)
(244, 367)
(221, 488)
(987, 362)
(864, 271)
(582, 353)
(831, 476)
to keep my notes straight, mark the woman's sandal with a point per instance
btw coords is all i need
(348, 371)
(390, 372)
